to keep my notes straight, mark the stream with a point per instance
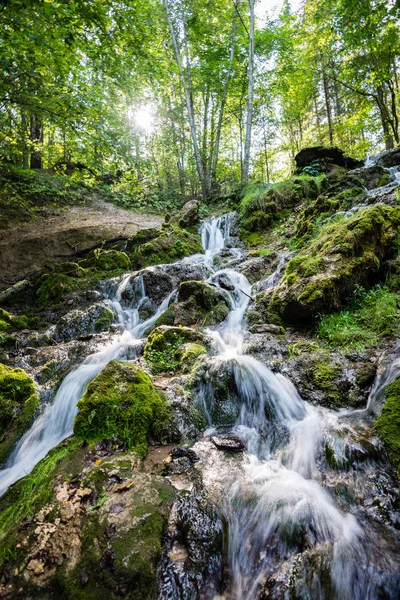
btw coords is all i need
(284, 508)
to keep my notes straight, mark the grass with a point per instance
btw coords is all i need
(369, 317)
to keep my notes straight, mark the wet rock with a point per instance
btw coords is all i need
(167, 347)
(184, 451)
(267, 328)
(370, 177)
(390, 158)
(259, 267)
(81, 322)
(159, 281)
(228, 442)
(192, 561)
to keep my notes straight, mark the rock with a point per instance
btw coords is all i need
(167, 345)
(390, 158)
(183, 451)
(326, 158)
(267, 328)
(172, 244)
(199, 304)
(370, 177)
(228, 442)
(259, 267)
(159, 281)
(346, 254)
(189, 214)
(19, 401)
(388, 423)
(122, 402)
(81, 322)
(192, 561)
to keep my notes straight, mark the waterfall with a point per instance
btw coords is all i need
(57, 420)
(277, 497)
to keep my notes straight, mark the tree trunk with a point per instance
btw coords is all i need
(385, 117)
(223, 102)
(205, 130)
(249, 115)
(327, 100)
(187, 87)
(36, 137)
(24, 138)
(266, 154)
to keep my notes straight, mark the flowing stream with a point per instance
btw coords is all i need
(278, 501)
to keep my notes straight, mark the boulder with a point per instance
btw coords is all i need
(259, 267)
(167, 346)
(80, 322)
(199, 303)
(171, 244)
(346, 254)
(325, 158)
(122, 403)
(189, 214)
(390, 158)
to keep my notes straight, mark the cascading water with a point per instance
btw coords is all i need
(278, 503)
(57, 420)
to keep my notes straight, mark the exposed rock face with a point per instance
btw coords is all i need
(325, 157)
(259, 267)
(170, 348)
(346, 254)
(77, 323)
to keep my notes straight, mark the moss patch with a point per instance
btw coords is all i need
(19, 401)
(166, 346)
(122, 403)
(388, 423)
(171, 244)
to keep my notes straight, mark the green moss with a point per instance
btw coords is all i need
(108, 260)
(4, 315)
(105, 320)
(388, 423)
(4, 326)
(189, 355)
(347, 253)
(172, 244)
(323, 376)
(19, 401)
(54, 288)
(122, 402)
(163, 350)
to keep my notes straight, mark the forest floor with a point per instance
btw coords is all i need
(59, 234)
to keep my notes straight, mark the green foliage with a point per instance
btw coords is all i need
(387, 424)
(122, 403)
(369, 317)
(19, 401)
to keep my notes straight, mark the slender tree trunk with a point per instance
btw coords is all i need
(223, 102)
(266, 154)
(385, 117)
(249, 115)
(36, 137)
(317, 117)
(188, 91)
(24, 139)
(205, 129)
(327, 100)
(394, 122)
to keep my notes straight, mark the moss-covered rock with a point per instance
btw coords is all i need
(106, 260)
(172, 244)
(189, 355)
(81, 322)
(388, 423)
(167, 345)
(345, 254)
(199, 304)
(122, 403)
(19, 401)
(54, 288)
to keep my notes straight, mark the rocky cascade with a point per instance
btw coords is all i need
(224, 425)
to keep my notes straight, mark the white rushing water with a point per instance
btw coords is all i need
(57, 420)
